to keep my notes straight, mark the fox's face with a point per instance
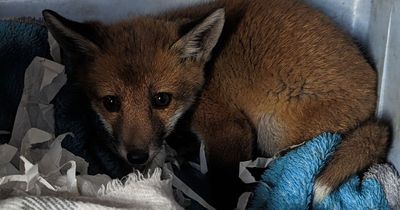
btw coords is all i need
(140, 75)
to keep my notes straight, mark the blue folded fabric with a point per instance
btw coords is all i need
(288, 181)
(19, 43)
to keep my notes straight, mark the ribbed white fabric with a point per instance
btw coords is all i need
(138, 192)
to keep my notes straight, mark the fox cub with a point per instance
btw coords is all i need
(259, 75)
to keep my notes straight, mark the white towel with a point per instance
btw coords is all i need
(138, 192)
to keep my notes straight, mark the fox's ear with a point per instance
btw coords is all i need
(199, 42)
(79, 39)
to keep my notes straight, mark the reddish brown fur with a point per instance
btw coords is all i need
(281, 73)
(133, 70)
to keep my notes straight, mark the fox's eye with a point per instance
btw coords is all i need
(112, 103)
(161, 100)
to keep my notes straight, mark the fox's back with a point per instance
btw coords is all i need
(275, 57)
(284, 48)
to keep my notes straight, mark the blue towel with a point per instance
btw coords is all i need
(288, 182)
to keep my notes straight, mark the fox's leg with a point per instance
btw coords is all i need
(228, 137)
(358, 150)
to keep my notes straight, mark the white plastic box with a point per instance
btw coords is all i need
(375, 24)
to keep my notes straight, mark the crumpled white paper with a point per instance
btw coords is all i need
(7, 152)
(32, 159)
(55, 50)
(248, 178)
(244, 173)
(202, 167)
(43, 80)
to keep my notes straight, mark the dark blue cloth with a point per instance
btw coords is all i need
(20, 42)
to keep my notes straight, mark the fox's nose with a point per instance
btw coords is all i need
(137, 157)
